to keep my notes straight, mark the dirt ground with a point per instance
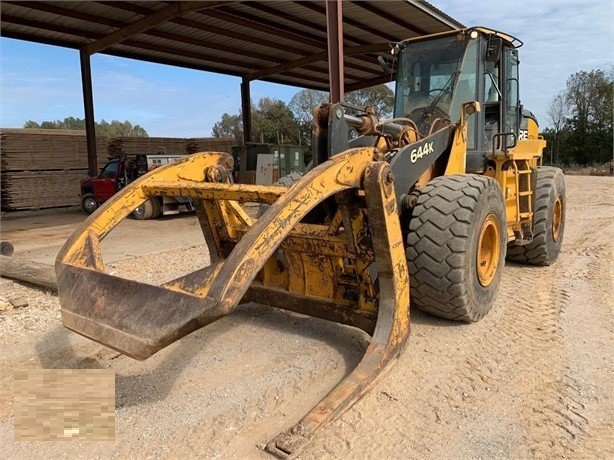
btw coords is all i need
(533, 379)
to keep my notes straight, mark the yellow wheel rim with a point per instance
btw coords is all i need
(557, 218)
(489, 250)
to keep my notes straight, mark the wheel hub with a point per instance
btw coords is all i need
(557, 218)
(488, 250)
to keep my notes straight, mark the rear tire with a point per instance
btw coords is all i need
(144, 211)
(89, 203)
(549, 221)
(456, 246)
(157, 207)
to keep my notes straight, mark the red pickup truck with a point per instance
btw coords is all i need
(118, 172)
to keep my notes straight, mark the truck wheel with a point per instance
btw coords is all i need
(157, 207)
(143, 211)
(456, 246)
(89, 203)
(549, 221)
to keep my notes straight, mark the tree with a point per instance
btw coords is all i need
(119, 129)
(115, 128)
(379, 96)
(589, 98)
(272, 122)
(302, 105)
(557, 112)
(229, 126)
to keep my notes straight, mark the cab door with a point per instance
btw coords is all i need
(105, 184)
(511, 96)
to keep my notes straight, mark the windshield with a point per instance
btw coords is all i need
(108, 172)
(427, 76)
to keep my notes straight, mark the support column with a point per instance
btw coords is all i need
(246, 114)
(88, 104)
(334, 32)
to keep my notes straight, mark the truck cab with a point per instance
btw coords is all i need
(115, 175)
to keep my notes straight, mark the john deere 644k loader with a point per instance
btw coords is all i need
(429, 202)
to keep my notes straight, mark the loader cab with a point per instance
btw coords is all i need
(437, 74)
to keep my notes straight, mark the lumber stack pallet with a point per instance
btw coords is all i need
(42, 168)
(169, 145)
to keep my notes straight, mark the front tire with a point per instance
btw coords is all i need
(89, 203)
(456, 246)
(548, 223)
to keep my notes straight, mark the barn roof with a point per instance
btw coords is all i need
(277, 41)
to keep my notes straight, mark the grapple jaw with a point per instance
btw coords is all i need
(327, 268)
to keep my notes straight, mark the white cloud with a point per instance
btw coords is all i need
(560, 37)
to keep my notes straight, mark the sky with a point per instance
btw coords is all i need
(42, 82)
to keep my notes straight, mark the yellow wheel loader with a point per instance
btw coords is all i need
(428, 202)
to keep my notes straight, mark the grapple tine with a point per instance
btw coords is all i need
(150, 317)
(392, 327)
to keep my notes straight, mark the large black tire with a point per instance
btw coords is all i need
(548, 223)
(286, 181)
(456, 246)
(144, 211)
(89, 203)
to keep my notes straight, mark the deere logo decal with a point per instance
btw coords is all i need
(421, 151)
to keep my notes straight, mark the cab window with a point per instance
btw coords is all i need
(109, 170)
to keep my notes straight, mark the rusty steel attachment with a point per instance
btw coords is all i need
(348, 267)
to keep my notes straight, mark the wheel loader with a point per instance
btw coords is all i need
(423, 207)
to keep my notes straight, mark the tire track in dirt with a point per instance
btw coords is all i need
(501, 357)
(503, 387)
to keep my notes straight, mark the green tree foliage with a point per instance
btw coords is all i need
(582, 120)
(275, 122)
(379, 96)
(272, 122)
(229, 126)
(115, 128)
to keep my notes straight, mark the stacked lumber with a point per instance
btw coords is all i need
(170, 145)
(42, 168)
(45, 149)
(41, 189)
